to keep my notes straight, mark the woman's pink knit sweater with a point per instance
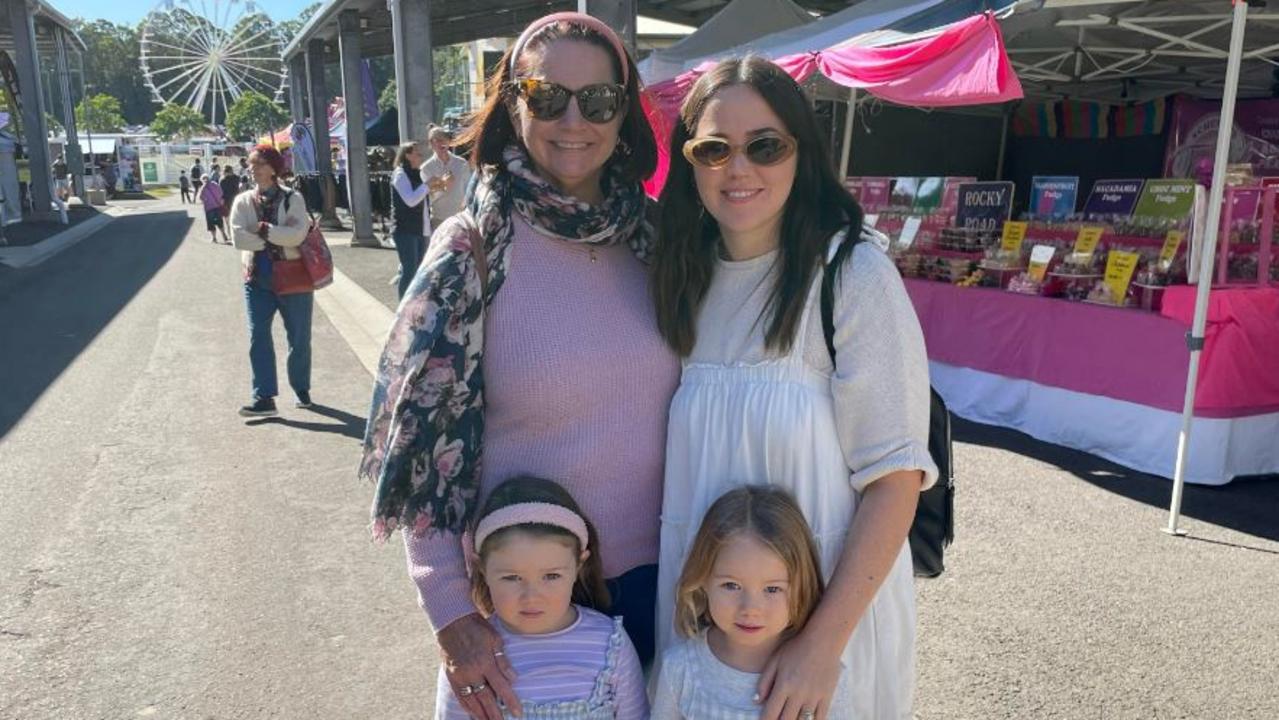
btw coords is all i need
(577, 387)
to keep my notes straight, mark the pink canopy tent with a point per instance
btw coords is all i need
(963, 64)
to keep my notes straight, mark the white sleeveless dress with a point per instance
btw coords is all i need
(773, 422)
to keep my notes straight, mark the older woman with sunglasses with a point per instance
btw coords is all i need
(529, 332)
(751, 212)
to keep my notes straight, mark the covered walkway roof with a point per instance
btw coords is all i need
(459, 21)
(46, 18)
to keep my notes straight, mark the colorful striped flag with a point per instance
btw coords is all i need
(1082, 119)
(1035, 120)
(1141, 119)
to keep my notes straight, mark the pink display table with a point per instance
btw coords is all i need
(1111, 381)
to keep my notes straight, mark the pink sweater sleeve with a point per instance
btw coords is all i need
(439, 571)
(628, 684)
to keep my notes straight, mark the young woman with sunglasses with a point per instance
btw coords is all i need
(750, 212)
(529, 331)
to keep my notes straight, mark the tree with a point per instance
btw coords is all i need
(111, 67)
(388, 98)
(253, 113)
(290, 28)
(100, 113)
(177, 121)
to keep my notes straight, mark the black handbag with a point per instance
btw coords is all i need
(934, 525)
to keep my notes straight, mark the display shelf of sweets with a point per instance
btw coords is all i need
(1146, 290)
(1000, 266)
(949, 269)
(1245, 245)
(1074, 277)
(1023, 284)
(1101, 294)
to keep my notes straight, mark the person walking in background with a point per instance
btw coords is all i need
(268, 225)
(184, 186)
(60, 181)
(447, 175)
(197, 172)
(246, 176)
(230, 184)
(210, 196)
(410, 212)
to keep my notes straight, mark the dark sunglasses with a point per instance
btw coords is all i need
(716, 152)
(599, 103)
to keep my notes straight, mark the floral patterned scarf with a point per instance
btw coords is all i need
(425, 433)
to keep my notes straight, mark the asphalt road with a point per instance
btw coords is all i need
(160, 557)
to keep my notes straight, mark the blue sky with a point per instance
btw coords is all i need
(131, 11)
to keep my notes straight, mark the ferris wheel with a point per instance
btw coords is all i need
(205, 54)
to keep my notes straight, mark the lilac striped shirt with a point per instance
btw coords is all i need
(567, 666)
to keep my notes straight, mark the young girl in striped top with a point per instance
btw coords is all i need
(751, 581)
(535, 569)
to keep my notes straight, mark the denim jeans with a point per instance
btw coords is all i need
(262, 304)
(634, 595)
(410, 246)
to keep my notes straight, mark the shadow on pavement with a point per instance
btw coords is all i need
(1248, 505)
(348, 425)
(53, 311)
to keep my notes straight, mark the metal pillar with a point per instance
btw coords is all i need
(414, 67)
(34, 128)
(846, 148)
(297, 87)
(320, 129)
(621, 15)
(357, 155)
(71, 151)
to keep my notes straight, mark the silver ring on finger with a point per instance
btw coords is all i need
(498, 653)
(807, 714)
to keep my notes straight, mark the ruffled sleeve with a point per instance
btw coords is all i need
(422, 442)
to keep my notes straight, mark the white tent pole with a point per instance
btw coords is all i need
(846, 149)
(1196, 338)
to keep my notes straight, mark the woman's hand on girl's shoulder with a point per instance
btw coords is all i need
(802, 675)
(477, 669)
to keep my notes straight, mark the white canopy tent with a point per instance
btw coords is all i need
(737, 23)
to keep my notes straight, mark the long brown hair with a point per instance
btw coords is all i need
(491, 129)
(402, 155)
(770, 515)
(589, 588)
(688, 237)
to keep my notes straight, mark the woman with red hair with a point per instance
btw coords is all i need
(268, 224)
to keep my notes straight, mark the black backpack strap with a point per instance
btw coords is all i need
(830, 269)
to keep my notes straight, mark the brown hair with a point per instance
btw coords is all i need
(770, 515)
(589, 589)
(688, 237)
(491, 129)
(402, 155)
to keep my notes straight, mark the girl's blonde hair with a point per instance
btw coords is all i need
(589, 589)
(770, 515)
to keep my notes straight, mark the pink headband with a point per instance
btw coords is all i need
(572, 18)
(528, 514)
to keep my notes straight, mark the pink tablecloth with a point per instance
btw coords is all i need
(1128, 355)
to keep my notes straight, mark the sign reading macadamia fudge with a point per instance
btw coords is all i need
(1113, 197)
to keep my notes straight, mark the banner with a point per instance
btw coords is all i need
(1113, 197)
(1053, 197)
(984, 205)
(1192, 137)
